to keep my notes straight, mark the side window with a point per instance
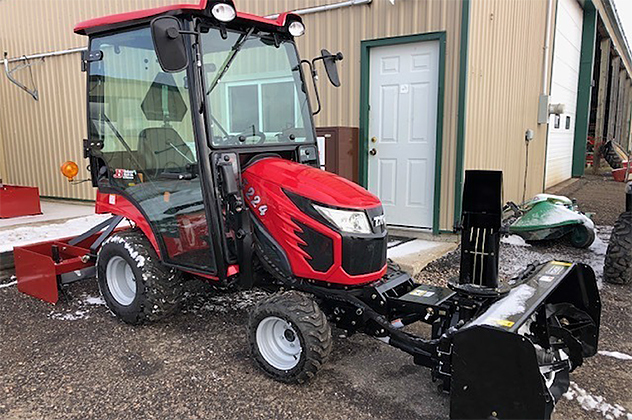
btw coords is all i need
(142, 116)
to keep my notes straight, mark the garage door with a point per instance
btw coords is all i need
(565, 77)
(403, 130)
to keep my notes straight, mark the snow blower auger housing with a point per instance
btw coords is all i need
(201, 135)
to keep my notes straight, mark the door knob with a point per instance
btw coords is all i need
(373, 152)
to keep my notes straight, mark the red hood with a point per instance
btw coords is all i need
(315, 184)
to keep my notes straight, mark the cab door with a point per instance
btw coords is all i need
(142, 117)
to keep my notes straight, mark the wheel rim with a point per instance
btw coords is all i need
(120, 280)
(278, 343)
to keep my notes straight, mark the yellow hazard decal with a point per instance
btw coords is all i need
(504, 323)
(565, 264)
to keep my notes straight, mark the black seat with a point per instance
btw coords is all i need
(163, 150)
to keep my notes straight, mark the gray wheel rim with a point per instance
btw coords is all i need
(278, 343)
(120, 280)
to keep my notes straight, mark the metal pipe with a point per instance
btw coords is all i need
(317, 9)
(547, 43)
(47, 54)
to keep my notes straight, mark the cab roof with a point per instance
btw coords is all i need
(105, 23)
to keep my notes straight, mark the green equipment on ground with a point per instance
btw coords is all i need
(548, 217)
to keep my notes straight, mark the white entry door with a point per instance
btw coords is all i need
(564, 84)
(404, 84)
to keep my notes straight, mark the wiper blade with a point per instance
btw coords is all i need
(229, 60)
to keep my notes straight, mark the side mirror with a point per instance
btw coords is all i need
(329, 60)
(169, 44)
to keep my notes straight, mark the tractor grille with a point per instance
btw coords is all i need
(363, 255)
(319, 247)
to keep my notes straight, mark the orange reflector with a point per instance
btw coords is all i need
(70, 170)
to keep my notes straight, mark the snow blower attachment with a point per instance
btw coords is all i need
(503, 350)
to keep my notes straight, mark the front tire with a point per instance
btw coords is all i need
(290, 337)
(135, 285)
(618, 265)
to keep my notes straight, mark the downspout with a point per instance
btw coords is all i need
(543, 105)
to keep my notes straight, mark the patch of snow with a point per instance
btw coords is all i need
(13, 283)
(93, 300)
(595, 403)
(410, 247)
(140, 260)
(514, 240)
(616, 355)
(25, 235)
(512, 304)
(70, 316)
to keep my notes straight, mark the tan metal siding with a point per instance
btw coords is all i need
(504, 81)
(43, 134)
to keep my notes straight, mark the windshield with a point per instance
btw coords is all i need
(254, 91)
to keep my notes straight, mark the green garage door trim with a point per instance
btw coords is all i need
(364, 108)
(584, 91)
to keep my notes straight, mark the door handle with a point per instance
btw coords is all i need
(373, 152)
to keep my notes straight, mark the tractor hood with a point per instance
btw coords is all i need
(314, 184)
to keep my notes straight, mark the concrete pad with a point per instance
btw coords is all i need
(414, 255)
(51, 211)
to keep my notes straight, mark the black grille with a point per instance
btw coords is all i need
(319, 247)
(363, 255)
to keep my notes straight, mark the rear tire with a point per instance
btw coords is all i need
(290, 337)
(135, 285)
(618, 265)
(582, 236)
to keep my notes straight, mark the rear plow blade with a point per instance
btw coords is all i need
(513, 361)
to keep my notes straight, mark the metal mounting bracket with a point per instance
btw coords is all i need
(9, 72)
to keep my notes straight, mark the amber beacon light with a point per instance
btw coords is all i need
(70, 170)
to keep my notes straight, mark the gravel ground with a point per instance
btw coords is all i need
(75, 360)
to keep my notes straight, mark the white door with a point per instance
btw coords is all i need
(403, 95)
(564, 84)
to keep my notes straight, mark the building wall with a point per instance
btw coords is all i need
(38, 136)
(504, 83)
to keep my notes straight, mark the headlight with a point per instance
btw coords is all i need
(296, 28)
(223, 12)
(349, 221)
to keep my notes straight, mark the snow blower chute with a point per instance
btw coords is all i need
(253, 208)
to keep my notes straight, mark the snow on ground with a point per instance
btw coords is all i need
(72, 314)
(24, 235)
(514, 258)
(222, 301)
(514, 240)
(51, 210)
(410, 247)
(616, 355)
(596, 403)
(13, 283)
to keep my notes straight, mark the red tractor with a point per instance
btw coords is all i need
(200, 134)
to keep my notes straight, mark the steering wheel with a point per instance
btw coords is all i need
(251, 132)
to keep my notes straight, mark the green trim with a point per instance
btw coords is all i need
(460, 129)
(365, 48)
(584, 90)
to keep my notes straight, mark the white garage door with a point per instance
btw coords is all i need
(565, 77)
(403, 130)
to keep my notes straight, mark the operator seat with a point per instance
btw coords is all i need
(163, 150)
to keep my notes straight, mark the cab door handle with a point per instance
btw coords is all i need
(373, 151)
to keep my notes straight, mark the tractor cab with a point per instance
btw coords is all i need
(180, 101)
